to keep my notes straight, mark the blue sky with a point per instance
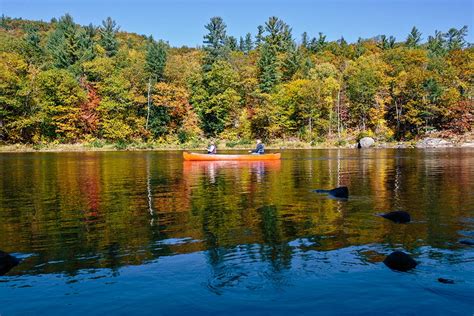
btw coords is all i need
(182, 22)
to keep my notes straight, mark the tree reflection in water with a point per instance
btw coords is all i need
(74, 211)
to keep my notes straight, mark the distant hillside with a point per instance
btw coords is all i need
(63, 82)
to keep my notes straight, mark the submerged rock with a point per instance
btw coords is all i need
(400, 261)
(340, 192)
(445, 281)
(7, 262)
(469, 242)
(400, 217)
(366, 142)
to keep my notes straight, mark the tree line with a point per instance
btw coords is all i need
(62, 82)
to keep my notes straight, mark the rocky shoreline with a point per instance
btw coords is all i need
(366, 142)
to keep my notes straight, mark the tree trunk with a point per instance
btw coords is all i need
(148, 103)
(339, 113)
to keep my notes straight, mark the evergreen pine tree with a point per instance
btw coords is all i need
(108, 39)
(436, 44)
(291, 63)
(318, 44)
(259, 36)
(304, 40)
(63, 43)
(248, 45)
(86, 45)
(267, 68)
(241, 44)
(215, 42)
(391, 42)
(33, 49)
(414, 38)
(156, 56)
(279, 34)
(455, 39)
(231, 43)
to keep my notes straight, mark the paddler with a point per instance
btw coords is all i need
(260, 149)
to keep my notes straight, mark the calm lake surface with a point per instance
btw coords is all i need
(147, 233)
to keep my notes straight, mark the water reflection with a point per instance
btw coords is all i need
(72, 211)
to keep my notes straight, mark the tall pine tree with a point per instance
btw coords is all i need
(268, 75)
(108, 38)
(63, 43)
(33, 49)
(156, 56)
(414, 38)
(215, 42)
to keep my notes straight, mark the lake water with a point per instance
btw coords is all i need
(147, 233)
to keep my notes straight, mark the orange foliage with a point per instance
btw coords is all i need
(89, 115)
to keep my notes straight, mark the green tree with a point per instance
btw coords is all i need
(268, 73)
(156, 56)
(86, 44)
(259, 37)
(108, 37)
(231, 43)
(291, 64)
(304, 40)
(278, 34)
(215, 99)
(456, 39)
(248, 44)
(437, 44)
(365, 81)
(414, 38)
(318, 44)
(59, 98)
(63, 43)
(33, 49)
(215, 42)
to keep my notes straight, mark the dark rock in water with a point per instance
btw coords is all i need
(469, 242)
(445, 281)
(7, 262)
(340, 192)
(400, 217)
(400, 261)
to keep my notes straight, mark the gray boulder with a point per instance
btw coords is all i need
(366, 142)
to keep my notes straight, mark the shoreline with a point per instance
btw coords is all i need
(110, 147)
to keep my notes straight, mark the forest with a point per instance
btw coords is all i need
(66, 83)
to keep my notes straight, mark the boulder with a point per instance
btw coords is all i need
(400, 261)
(339, 192)
(7, 262)
(366, 142)
(445, 281)
(469, 242)
(400, 217)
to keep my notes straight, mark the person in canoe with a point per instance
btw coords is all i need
(212, 149)
(260, 149)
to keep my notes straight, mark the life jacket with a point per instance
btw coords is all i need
(212, 149)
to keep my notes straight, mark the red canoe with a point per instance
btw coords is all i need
(207, 157)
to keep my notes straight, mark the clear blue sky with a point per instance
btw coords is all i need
(181, 22)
